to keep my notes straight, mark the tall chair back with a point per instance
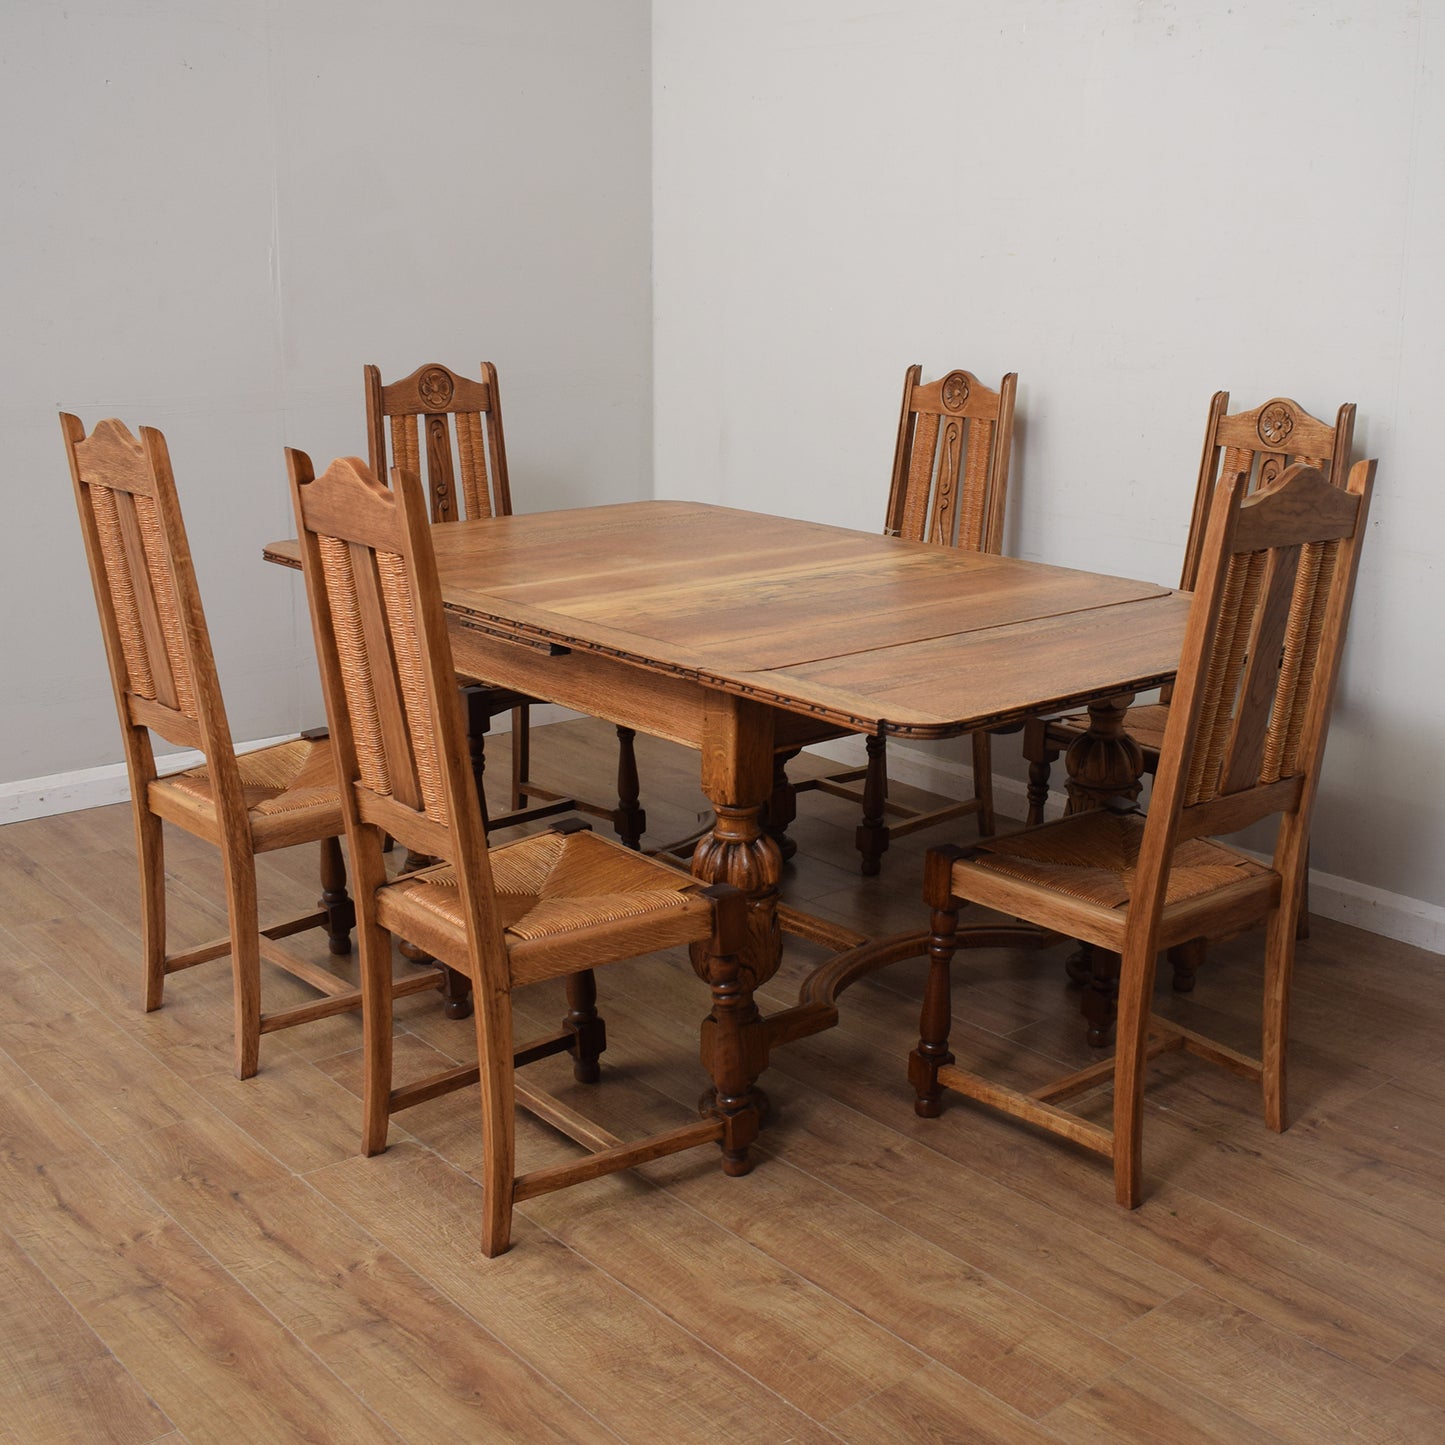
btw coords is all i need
(1251, 704)
(446, 428)
(386, 662)
(1260, 445)
(162, 669)
(950, 468)
(950, 480)
(163, 674)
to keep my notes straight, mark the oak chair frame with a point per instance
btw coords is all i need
(386, 663)
(949, 486)
(1249, 443)
(163, 675)
(1246, 731)
(448, 428)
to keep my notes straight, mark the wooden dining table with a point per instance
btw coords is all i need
(744, 636)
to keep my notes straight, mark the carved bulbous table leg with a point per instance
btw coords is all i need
(1104, 762)
(737, 776)
(740, 852)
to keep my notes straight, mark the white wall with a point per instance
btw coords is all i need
(1131, 205)
(216, 213)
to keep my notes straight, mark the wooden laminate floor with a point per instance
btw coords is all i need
(189, 1258)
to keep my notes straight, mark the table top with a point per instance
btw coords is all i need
(862, 631)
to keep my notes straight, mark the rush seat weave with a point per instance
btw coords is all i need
(1094, 857)
(287, 778)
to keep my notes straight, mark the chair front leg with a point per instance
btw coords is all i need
(871, 839)
(589, 1033)
(1279, 948)
(479, 724)
(1040, 757)
(932, 1052)
(629, 821)
(150, 850)
(983, 783)
(521, 754)
(240, 875)
(340, 911)
(1136, 993)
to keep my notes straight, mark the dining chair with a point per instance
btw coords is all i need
(454, 424)
(1259, 445)
(950, 478)
(554, 904)
(1243, 742)
(163, 673)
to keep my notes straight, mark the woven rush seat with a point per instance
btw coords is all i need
(547, 886)
(286, 779)
(1093, 856)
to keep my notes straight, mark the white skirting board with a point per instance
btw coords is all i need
(1392, 915)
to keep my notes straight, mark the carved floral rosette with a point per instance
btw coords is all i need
(955, 390)
(1275, 424)
(435, 387)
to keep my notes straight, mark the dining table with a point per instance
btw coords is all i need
(748, 636)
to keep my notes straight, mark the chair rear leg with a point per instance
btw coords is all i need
(150, 852)
(589, 1033)
(245, 926)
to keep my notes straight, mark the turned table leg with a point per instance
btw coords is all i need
(737, 776)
